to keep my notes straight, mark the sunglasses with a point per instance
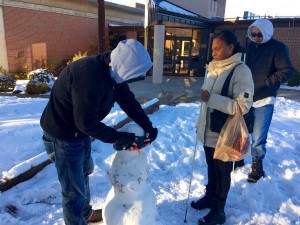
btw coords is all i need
(259, 35)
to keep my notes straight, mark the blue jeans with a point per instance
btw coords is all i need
(73, 163)
(263, 118)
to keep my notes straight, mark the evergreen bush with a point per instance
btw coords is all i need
(19, 76)
(37, 88)
(2, 71)
(7, 84)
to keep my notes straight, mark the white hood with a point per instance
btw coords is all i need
(129, 60)
(266, 28)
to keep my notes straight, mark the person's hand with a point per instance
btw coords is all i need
(204, 95)
(125, 141)
(140, 141)
(151, 135)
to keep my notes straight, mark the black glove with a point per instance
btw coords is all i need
(152, 134)
(140, 141)
(124, 141)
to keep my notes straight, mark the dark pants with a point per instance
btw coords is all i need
(218, 172)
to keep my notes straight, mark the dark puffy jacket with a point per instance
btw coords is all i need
(82, 96)
(270, 65)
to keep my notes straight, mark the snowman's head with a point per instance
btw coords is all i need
(138, 131)
(133, 128)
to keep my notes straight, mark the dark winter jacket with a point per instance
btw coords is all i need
(269, 61)
(270, 66)
(82, 96)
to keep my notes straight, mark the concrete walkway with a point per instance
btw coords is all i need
(183, 89)
(172, 91)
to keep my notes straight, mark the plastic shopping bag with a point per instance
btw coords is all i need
(233, 142)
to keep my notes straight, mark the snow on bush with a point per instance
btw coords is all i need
(41, 82)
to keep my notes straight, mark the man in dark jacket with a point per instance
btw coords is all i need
(81, 98)
(270, 64)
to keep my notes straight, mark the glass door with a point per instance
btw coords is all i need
(182, 57)
(169, 56)
(177, 55)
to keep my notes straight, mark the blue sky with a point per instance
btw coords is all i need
(261, 7)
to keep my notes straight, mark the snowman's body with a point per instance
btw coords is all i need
(131, 201)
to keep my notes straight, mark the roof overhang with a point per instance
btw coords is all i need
(163, 10)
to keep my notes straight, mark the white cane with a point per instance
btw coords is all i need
(191, 177)
(195, 148)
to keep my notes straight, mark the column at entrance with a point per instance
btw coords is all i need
(158, 54)
(3, 49)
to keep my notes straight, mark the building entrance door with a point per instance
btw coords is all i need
(177, 55)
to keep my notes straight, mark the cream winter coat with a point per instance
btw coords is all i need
(241, 90)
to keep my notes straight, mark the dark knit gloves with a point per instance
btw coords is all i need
(124, 141)
(152, 134)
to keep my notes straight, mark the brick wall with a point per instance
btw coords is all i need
(290, 36)
(36, 38)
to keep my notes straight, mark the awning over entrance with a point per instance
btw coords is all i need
(166, 11)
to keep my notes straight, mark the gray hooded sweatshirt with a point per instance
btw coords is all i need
(129, 60)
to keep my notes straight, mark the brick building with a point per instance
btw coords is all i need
(46, 33)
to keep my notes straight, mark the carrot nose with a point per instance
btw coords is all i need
(137, 149)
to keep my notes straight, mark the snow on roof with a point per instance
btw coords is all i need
(176, 9)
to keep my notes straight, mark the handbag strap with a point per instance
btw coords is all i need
(225, 87)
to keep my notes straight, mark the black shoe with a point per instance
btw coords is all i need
(256, 171)
(96, 216)
(215, 216)
(239, 163)
(205, 202)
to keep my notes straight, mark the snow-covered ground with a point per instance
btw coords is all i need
(273, 200)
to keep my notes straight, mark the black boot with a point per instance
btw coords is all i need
(215, 216)
(204, 202)
(239, 163)
(256, 171)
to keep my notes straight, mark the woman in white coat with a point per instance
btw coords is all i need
(226, 55)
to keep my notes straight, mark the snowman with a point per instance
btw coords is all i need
(130, 201)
